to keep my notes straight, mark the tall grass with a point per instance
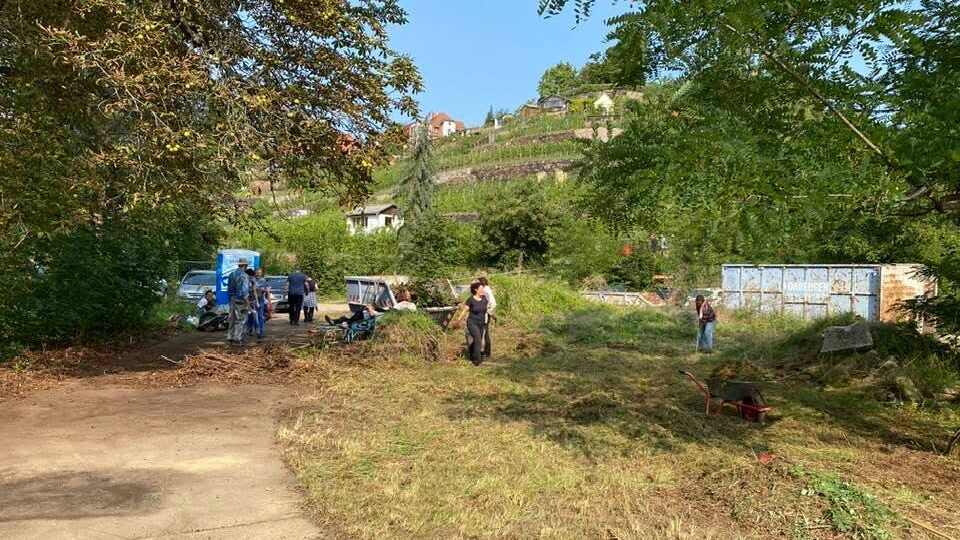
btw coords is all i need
(527, 300)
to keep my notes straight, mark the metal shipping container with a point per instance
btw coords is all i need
(872, 291)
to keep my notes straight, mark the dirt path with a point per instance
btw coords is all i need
(89, 459)
(190, 463)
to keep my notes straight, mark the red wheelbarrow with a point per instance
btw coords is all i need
(743, 396)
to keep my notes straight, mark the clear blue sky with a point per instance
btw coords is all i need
(476, 53)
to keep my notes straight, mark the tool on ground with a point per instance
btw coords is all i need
(743, 396)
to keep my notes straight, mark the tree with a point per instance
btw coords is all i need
(557, 79)
(490, 120)
(805, 95)
(518, 227)
(597, 71)
(417, 186)
(129, 126)
(429, 249)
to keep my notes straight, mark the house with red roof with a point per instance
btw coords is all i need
(439, 125)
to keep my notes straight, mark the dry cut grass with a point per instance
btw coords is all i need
(582, 428)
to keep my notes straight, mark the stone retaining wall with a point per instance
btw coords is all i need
(494, 173)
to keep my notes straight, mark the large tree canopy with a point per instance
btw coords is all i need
(803, 130)
(557, 79)
(121, 117)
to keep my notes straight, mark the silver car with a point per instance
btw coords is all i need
(195, 283)
(277, 285)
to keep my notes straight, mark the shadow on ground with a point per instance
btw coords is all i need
(79, 494)
(603, 372)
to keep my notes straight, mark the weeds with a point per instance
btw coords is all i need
(851, 510)
(581, 428)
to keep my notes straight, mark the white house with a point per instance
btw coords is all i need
(366, 219)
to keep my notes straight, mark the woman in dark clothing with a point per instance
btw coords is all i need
(476, 311)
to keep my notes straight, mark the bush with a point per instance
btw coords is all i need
(517, 226)
(580, 249)
(96, 280)
(428, 248)
(323, 248)
(527, 300)
(635, 271)
(431, 293)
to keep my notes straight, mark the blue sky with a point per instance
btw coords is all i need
(473, 54)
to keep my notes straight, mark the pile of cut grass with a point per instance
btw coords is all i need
(582, 428)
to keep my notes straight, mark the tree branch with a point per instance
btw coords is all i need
(820, 97)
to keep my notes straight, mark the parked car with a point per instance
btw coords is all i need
(277, 285)
(194, 283)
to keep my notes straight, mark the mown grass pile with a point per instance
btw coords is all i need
(581, 427)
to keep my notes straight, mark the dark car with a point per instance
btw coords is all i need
(277, 285)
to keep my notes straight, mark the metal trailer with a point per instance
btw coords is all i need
(377, 290)
(872, 291)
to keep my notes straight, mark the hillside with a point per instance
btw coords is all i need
(521, 150)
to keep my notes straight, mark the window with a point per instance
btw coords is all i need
(388, 221)
(360, 222)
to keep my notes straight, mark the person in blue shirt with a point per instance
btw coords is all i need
(238, 290)
(296, 288)
(257, 319)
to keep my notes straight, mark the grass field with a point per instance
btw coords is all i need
(581, 427)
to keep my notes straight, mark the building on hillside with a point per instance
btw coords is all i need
(553, 105)
(439, 125)
(604, 103)
(367, 219)
(529, 110)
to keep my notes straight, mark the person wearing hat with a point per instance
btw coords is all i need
(238, 289)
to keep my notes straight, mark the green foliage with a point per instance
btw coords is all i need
(581, 248)
(634, 271)
(516, 228)
(775, 124)
(850, 510)
(322, 247)
(490, 118)
(128, 128)
(431, 293)
(557, 79)
(527, 300)
(428, 248)
(417, 187)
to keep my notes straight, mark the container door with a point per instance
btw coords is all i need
(841, 283)
(817, 288)
(866, 293)
(794, 292)
(751, 285)
(732, 295)
(772, 290)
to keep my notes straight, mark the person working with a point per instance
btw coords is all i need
(476, 308)
(238, 290)
(296, 288)
(491, 306)
(368, 312)
(207, 303)
(706, 320)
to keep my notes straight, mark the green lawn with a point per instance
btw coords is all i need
(582, 428)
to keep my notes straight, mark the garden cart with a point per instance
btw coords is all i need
(743, 396)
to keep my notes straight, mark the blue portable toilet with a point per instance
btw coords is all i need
(227, 264)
